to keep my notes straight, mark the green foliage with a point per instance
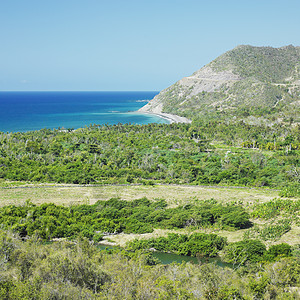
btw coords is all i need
(7, 246)
(239, 253)
(275, 207)
(148, 154)
(271, 232)
(150, 260)
(274, 232)
(291, 191)
(78, 270)
(296, 250)
(196, 244)
(97, 237)
(50, 221)
(276, 251)
(258, 286)
(286, 271)
(229, 293)
(205, 214)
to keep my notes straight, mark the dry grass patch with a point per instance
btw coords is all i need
(292, 237)
(173, 194)
(123, 238)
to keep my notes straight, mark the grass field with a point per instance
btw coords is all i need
(174, 194)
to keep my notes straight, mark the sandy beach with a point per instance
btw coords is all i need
(154, 107)
(171, 118)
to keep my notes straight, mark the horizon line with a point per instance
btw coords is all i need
(78, 91)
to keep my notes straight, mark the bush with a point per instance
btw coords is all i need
(229, 293)
(275, 251)
(240, 253)
(97, 237)
(274, 232)
(238, 219)
(193, 245)
(292, 190)
(134, 226)
(275, 207)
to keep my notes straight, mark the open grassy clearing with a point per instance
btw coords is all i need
(173, 194)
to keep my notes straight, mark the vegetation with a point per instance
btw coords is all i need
(260, 62)
(50, 221)
(65, 270)
(270, 232)
(265, 89)
(176, 153)
(276, 207)
(245, 133)
(243, 252)
(196, 244)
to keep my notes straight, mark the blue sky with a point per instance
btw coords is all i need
(130, 45)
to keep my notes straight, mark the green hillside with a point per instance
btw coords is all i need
(265, 64)
(259, 82)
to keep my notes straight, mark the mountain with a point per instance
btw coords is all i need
(246, 81)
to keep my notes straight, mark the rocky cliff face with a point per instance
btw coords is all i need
(242, 78)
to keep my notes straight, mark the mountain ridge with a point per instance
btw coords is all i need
(244, 81)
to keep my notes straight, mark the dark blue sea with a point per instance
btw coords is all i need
(25, 111)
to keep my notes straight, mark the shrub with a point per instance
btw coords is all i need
(292, 190)
(193, 245)
(239, 253)
(274, 232)
(275, 251)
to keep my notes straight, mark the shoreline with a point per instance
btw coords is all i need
(169, 117)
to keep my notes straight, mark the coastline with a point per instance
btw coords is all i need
(155, 107)
(169, 117)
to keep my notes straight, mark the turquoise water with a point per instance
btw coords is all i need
(25, 111)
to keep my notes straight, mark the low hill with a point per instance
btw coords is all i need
(247, 82)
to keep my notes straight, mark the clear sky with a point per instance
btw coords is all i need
(112, 45)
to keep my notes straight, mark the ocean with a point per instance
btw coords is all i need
(26, 111)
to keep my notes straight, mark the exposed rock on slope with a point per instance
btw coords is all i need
(246, 80)
(203, 80)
